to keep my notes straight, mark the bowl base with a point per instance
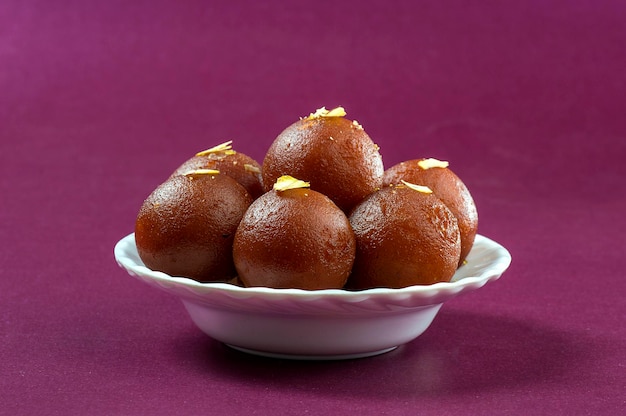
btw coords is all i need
(311, 357)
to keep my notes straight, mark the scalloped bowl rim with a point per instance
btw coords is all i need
(491, 268)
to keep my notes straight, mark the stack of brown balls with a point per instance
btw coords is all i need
(319, 213)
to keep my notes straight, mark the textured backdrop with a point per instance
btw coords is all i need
(101, 100)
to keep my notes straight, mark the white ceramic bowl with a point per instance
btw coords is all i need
(320, 324)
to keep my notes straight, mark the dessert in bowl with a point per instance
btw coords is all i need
(317, 324)
(344, 260)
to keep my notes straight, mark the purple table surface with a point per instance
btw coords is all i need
(100, 101)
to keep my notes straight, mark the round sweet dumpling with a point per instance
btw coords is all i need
(405, 236)
(294, 237)
(238, 166)
(187, 225)
(447, 186)
(335, 155)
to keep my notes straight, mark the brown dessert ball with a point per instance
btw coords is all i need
(296, 238)
(238, 166)
(187, 225)
(447, 186)
(334, 154)
(404, 237)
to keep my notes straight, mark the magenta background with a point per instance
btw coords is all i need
(99, 101)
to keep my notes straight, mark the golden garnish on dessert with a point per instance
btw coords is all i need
(251, 168)
(226, 147)
(432, 163)
(286, 182)
(357, 125)
(323, 112)
(201, 172)
(418, 188)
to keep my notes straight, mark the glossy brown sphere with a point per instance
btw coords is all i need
(404, 237)
(238, 166)
(334, 154)
(187, 225)
(447, 186)
(297, 238)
